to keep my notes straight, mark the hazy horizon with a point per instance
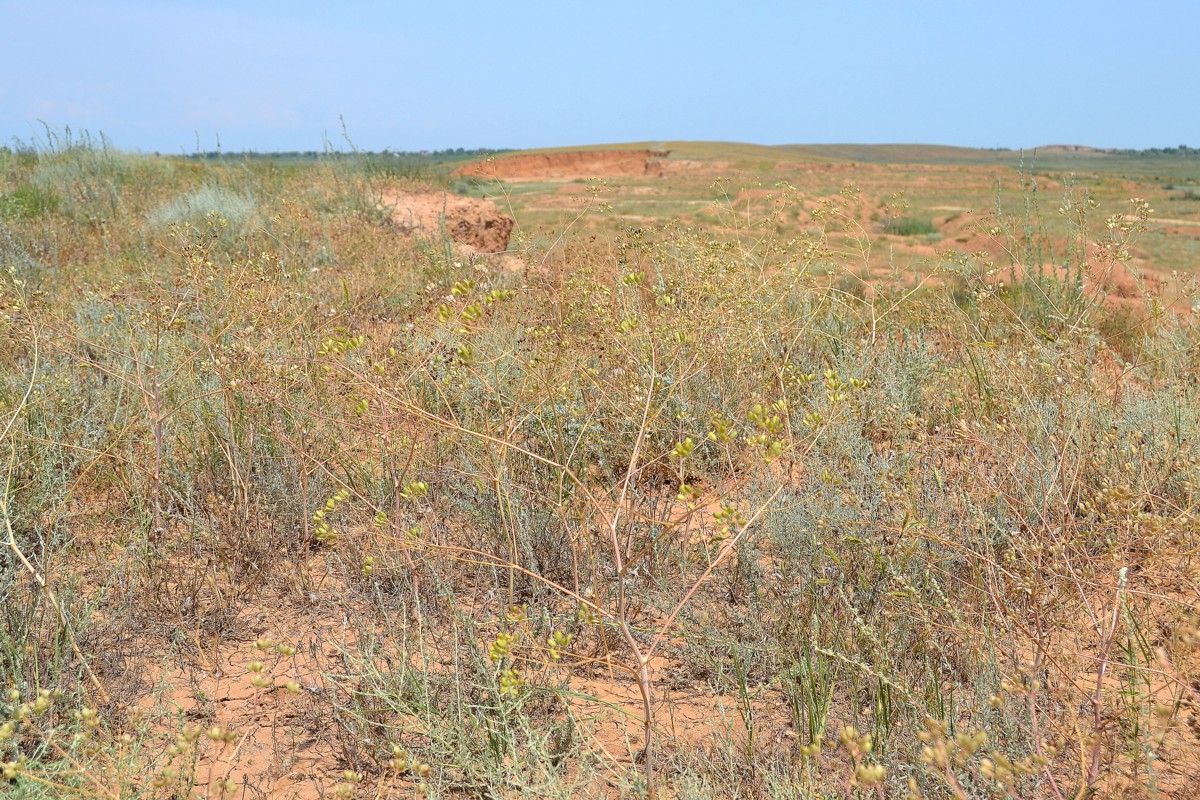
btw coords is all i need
(340, 144)
(178, 76)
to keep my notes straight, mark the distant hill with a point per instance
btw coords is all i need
(1182, 161)
(1174, 161)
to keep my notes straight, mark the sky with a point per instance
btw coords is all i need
(174, 76)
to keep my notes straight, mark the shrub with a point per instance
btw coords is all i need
(86, 175)
(195, 208)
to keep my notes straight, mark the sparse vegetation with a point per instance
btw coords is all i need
(290, 499)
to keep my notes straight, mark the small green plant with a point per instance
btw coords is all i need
(910, 226)
(28, 201)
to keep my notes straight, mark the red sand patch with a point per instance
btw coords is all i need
(676, 167)
(573, 165)
(478, 224)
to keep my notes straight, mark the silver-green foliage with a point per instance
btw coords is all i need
(194, 209)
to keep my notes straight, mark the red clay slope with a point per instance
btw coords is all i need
(569, 165)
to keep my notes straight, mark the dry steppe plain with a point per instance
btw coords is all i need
(739, 471)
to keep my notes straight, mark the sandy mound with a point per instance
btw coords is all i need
(570, 166)
(478, 224)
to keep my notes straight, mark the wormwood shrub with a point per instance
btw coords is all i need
(481, 711)
(16, 261)
(193, 210)
(148, 390)
(87, 177)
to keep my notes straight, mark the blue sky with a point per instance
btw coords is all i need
(429, 75)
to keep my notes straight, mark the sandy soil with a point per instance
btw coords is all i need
(477, 224)
(575, 165)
